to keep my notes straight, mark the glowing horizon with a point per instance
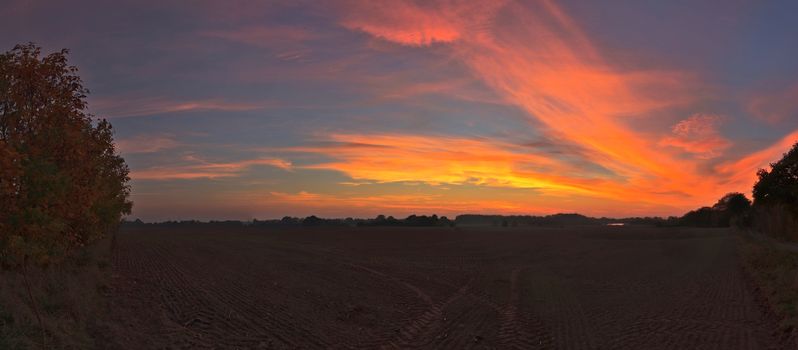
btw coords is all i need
(359, 108)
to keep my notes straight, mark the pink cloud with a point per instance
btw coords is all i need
(419, 24)
(146, 143)
(741, 173)
(200, 169)
(131, 107)
(699, 136)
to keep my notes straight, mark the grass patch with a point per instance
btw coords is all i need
(774, 270)
(70, 297)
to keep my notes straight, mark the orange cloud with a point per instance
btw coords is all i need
(742, 172)
(698, 135)
(205, 170)
(439, 160)
(420, 24)
(388, 20)
(537, 58)
(442, 161)
(396, 204)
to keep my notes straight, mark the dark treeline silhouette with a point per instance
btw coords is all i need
(774, 210)
(412, 220)
(311, 221)
(524, 220)
(555, 220)
(733, 209)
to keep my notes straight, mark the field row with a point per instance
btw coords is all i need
(437, 288)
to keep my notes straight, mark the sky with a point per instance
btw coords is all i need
(260, 109)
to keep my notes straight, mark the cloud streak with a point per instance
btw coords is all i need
(146, 143)
(538, 59)
(624, 125)
(201, 169)
(742, 172)
(138, 107)
(699, 136)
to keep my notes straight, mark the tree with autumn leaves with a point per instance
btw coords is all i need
(62, 184)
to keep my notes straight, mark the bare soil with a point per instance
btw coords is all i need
(449, 288)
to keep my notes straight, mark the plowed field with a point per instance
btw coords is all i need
(425, 288)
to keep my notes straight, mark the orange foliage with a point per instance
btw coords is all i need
(62, 185)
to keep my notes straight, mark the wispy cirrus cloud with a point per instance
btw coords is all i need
(146, 143)
(403, 22)
(433, 160)
(698, 135)
(742, 172)
(537, 58)
(196, 168)
(395, 92)
(533, 57)
(443, 161)
(121, 107)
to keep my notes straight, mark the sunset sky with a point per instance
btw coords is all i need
(260, 109)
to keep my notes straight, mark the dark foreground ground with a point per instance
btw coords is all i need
(369, 288)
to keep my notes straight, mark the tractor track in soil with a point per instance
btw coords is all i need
(422, 288)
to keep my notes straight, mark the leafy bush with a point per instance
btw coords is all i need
(780, 184)
(776, 197)
(62, 185)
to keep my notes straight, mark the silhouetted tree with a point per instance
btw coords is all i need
(735, 203)
(702, 217)
(312, 220)
(731, 209)
(780, 184)
(289, 221)
(775, 209)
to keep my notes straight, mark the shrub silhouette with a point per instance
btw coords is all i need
(732, 210)
(701, 217)
(62, 185)
(780, 184)
(734, 203)
(775, 208)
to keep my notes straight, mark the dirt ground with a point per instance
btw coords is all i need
(450, 288)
